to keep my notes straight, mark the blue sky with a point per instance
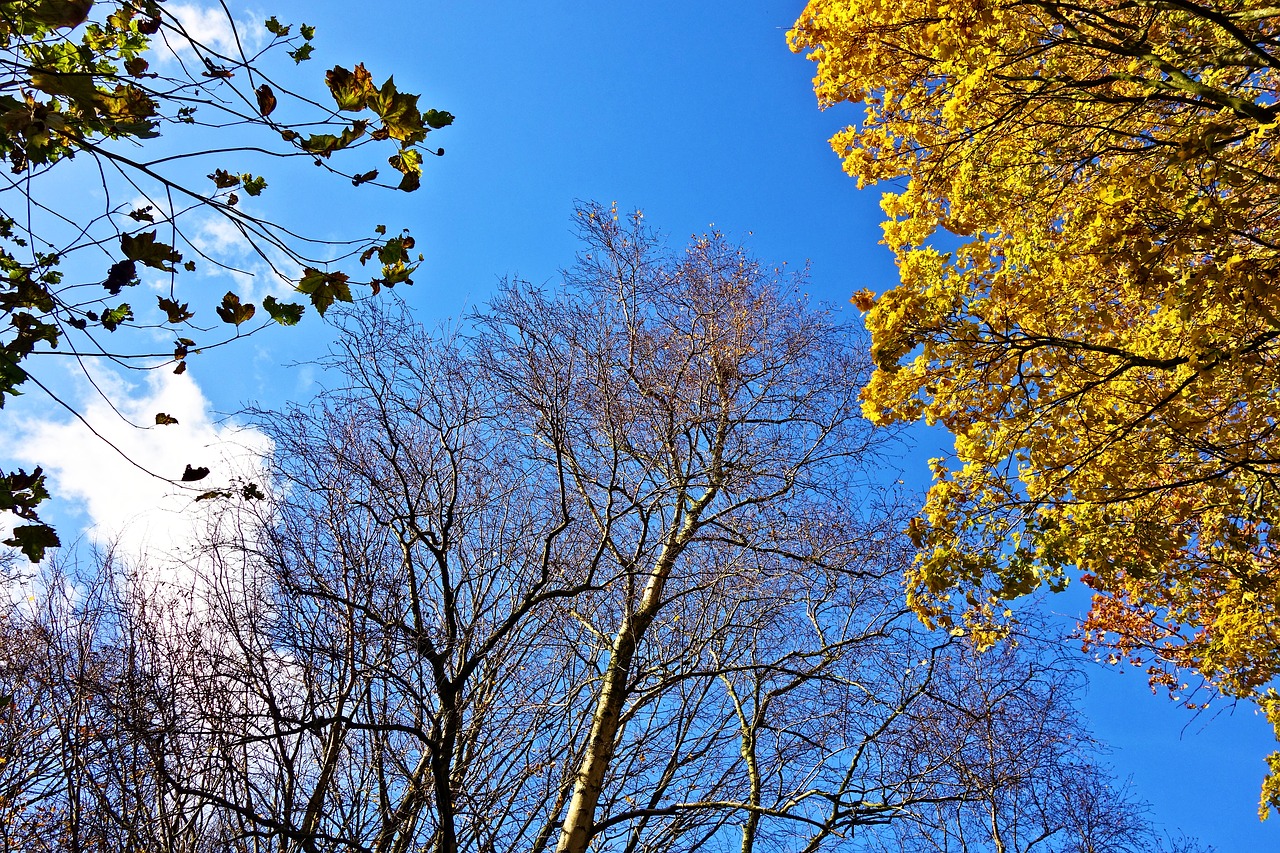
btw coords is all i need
(698, 114)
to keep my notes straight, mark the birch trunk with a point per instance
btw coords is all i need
(579, 821)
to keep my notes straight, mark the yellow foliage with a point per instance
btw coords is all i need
(1103, 342)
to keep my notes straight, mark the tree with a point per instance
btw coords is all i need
(127, 94)
(71, 777)
(1101, 338)
(603, 571)
(1007, 727)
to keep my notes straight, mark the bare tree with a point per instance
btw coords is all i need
(1006, 729)
(85, 662)
(606, 570)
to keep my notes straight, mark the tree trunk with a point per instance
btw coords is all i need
(579, 821)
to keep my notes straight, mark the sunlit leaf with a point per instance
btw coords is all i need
(324, 288)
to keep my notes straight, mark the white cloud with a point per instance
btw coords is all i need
(227, 255)
(129, 508)
(209, 26)
(236, 260)
(217, 236)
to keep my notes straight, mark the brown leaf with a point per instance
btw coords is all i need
(266, 100)
(192, 474)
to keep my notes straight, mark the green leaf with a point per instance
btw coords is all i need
(30, 331)
(323, 144)
(276, 28)
(302, 54)
(58, 14)
(119, 19)
(396, 250)
(232, 311)
(33, 540)
(394, 256)
(407, 160)
(253, 186)
(437, 119)
(308, 31)
(284, 313)
(409, 163)
(147, 249)
(399, 114)
(25, 293)
(113, 317)
(351, 134)
(351, 90)
(20, 493)
(324, 288)
(11, 376)
(130, 109)
(77, 87)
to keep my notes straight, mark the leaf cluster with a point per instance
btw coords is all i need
(94, 85)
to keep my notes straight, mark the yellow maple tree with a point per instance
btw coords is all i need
(1102, 336)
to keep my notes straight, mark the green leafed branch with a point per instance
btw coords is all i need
(90, 81)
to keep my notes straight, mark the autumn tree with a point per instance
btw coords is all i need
(603, 570)
(1098, 326)
(171, 129)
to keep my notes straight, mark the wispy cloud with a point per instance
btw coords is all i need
(210, 27)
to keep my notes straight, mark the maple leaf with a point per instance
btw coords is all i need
(351, 90)
(399, 113)
(174, 311)
(148, 250)
(233, 311)
(324, 288)
(284, 313)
